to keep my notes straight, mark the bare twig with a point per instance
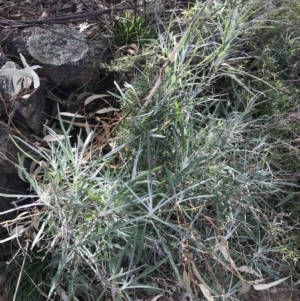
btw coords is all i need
(60, 20)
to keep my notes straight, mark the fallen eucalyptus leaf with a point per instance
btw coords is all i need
(260, 287)
(156, 298)
(71, 114)
(107, 110)
(206, 292)
(200, 278)
(51, 138)
(93, 97)
(187, 281)
(17, 231)
(249, 270)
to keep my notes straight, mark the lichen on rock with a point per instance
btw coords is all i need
(56, 45)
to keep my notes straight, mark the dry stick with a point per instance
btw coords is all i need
(62, 19)
(20, 275)
(172, 56)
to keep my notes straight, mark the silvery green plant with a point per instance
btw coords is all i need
(21, 78)
(182, 203)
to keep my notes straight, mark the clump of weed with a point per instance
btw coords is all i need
(131, 29)
(276, 52)
(189, 195)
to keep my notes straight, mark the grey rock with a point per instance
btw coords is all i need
(29, 114)
(63, 52)
(57, 45)
(3, 59)
(33, 112)
(10, 182)
(27, 117)
(8, 150)
(30, 111)
(6, 86)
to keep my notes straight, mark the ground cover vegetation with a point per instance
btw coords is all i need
(193, 192)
